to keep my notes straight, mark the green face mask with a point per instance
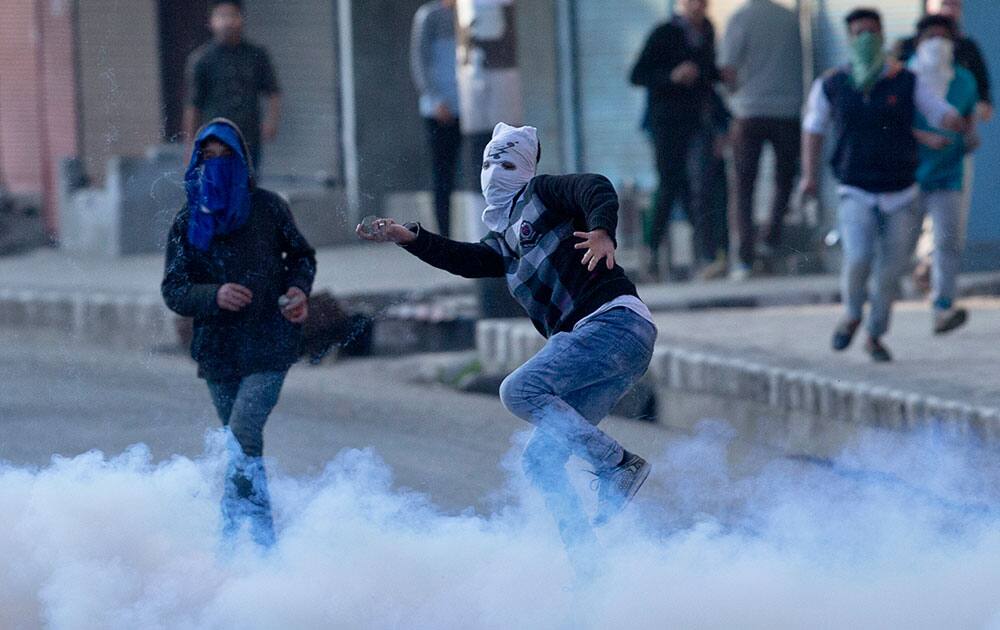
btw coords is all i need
(867, 59)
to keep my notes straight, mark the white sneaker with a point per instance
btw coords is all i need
(739, 273)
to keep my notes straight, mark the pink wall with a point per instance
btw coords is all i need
(38, 121)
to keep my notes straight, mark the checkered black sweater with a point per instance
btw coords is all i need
(536, 254)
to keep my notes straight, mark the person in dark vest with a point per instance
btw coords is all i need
(871, 107)
(227, 77)
(238, 265)
(600, 334)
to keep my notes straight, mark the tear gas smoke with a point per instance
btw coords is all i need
(123, 542)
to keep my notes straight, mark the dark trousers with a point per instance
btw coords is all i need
(445, 140)
(749, 136)
(708, 209)
(672, 146)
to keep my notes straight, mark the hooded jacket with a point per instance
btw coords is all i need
(535, 251)
(268, 255)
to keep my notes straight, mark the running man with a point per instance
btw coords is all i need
(600, 334)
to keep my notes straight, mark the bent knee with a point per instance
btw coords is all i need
(513, 395)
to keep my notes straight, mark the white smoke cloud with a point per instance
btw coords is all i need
(123, 542)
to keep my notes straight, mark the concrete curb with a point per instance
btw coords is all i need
(797, 411)
(120, 321)
(807, 393)
(143, 322)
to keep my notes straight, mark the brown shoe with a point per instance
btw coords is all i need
(878, 352)
(946, 321)
(843, 334)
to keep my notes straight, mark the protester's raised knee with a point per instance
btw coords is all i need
(512, 395)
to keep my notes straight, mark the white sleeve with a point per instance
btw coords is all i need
(817, 115)
(933, 107)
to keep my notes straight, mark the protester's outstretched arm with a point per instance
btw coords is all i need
(469, 260)
(181, 294)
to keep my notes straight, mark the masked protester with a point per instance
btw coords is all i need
(237, 264)
(871, 106)
(600, 334)
(941, 173)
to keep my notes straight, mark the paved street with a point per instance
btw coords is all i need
(63, 399)
(712, 519)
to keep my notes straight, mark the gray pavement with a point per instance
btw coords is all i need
(59, 398)
(366, 269)
(349, 270)
(959, 366)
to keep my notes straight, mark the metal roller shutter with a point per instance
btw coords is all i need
(300, 38)
(610, 36)
(120, 96)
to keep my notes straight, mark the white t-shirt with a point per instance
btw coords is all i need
(630, 302)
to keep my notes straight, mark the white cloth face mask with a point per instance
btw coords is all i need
(934, 64)
(509, 163)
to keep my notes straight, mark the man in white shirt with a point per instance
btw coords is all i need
(871, 106)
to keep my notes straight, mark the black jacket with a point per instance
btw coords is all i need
(666, 48)
(268, 255)
(536, 251)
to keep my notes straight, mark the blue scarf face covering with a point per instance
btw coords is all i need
(218, 189)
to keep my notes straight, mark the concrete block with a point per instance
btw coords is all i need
(486, 344)
(659, 367)
(777, 388)
(697, 380)
(754, 384)
(677, 367)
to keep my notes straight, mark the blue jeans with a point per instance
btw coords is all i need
(874, 242)
(243, 407)
(565, 391)
(945, 210)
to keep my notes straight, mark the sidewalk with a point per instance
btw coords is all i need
(349, 270)
(771, 374)
(117, 300)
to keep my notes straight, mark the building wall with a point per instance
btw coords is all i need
(982, 22)
(38, 123)
(610, 36)
(20, 123)
(120, 90)
(536, 54)
(301, 37)
(58, 110)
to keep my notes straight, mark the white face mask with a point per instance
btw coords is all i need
(509, 163)
(934, 64)
(937, 52)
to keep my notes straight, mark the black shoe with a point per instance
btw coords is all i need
(878, 352)
(843, 334)
(946, 321)
(617, 486)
